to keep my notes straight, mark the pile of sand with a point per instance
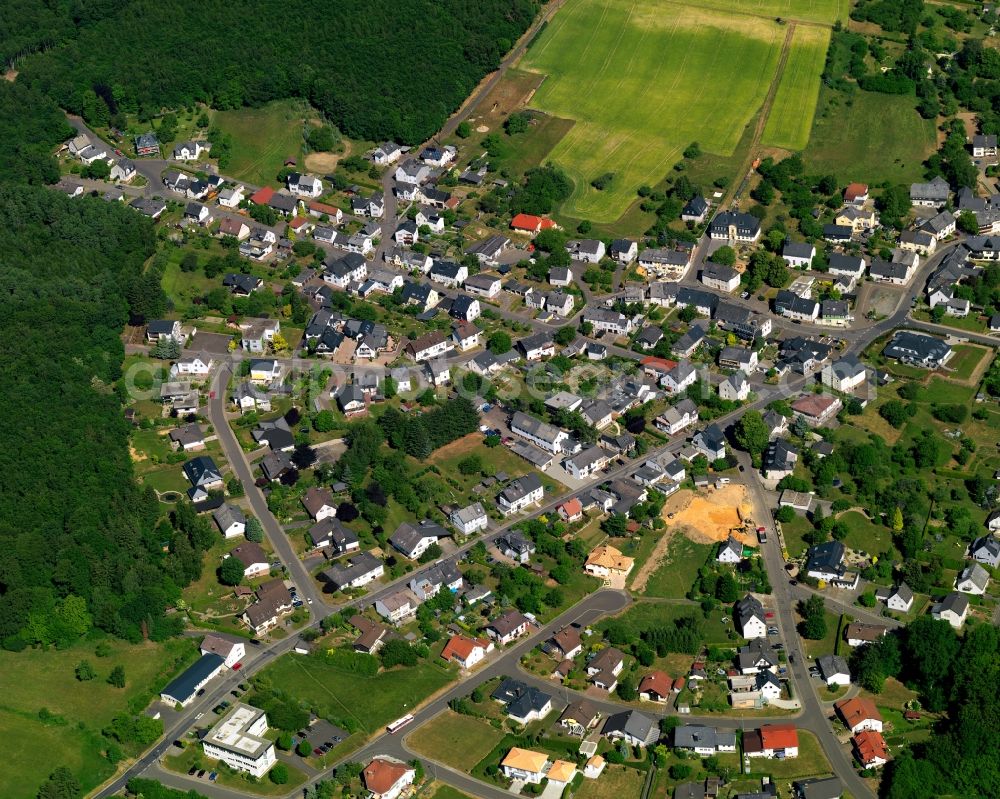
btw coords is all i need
(711, 515)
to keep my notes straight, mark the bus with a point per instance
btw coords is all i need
(398, 724)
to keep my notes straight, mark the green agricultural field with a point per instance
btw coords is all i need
(791, 116)
(639, 83)
(371, 701)
(869, 137)
(826, 11)
(262, 139)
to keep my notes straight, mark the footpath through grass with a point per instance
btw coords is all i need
(791, 117)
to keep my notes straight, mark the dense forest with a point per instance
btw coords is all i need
(79, 541)
(952, 674)
(376, 69)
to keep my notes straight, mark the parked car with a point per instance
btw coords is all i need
(192, 771)
(201, 773)
(213, 776)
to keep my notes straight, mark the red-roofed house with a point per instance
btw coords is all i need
(262, 196)
(465, 651)
(387, 779)
(319, 210)
(870, 749)
(656, 367)
(655, 687)
(856, 193)
(528, 223)
(772, 740)
(571, 510)
(859, 714)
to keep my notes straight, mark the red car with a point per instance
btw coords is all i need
(767, 615)
(237, 666)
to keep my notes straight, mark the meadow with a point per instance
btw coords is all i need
(642, 85)
(263, 138)
(869, 137)
(790, 119)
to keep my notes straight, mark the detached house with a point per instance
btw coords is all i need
(772, 741)
(930, 195)
(734, 226)
(470, 519)
(798, 254)
(508, 627)
(466, 651)
(750, 617)
(520, 493)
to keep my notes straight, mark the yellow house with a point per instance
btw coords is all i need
(857, 219)
(606, 562)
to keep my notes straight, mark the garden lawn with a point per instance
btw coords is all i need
(616, 781)
(965, 360)
(828, 643)
(372, 702)
(811, 761)
(447, 792)
(791, 116)
(623, 71)
(864, 535)
(460, 741)
(677, 571)
(793, 533)
(877, 138)
(263, 138)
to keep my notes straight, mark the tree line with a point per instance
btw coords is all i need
(357, 65)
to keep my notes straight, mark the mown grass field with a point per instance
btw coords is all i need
(677, 571)
(642, 85)
(459, 741)
(371, 701)
(791, 116)
(263, 138)
(869, 137)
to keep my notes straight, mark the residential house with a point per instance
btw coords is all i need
(793, 306)
(930, 195)
(986, 550)
(656, 686)
(735, 388)
(702, 740)
(398, 606)
(858, 219)
(720, 277)
(508, 627)
(520, 493)
(523, 703)
(677, 417)
(231, 520)
(772, 741)
(940, 226)
(856, 193)
(834, 670)
(489, 250)
(430, 582)
(414, 541)
(984, 146)
(449, 274)
(816, 409)
(356, 572)
(428, 346)
(859, 714)
(273, 602)
(917, 349)
(386, 778)
(742, 358)
(190, 150)
(528, 223)
(565, 643)
(710, 442)
(470, 519)
(624, 251)
(899, 598)
(589, 250)
(515, 546)
(607, 321)
(544, 435)
(253, 557)
(387, 153)
(870, 749)
(579, 717)
(664, 264)
(465, 651)
(231, 651)
(632, 727)
(484, 284)
(525, 765)
(695, 210)
(607, 563)
(973, 579)
(750, 617)
(330, 534)
(779, 460)
(844, 375)
(586, 463)
(799, 254)
(187, 437)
